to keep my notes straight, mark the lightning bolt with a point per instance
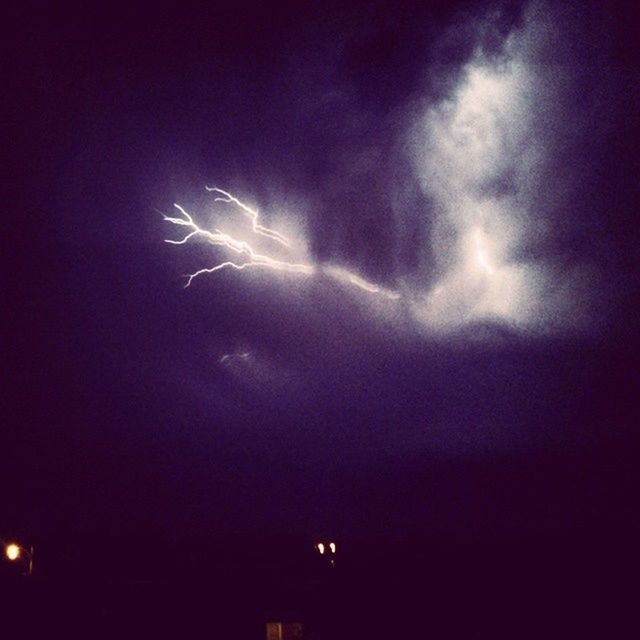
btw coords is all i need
(342, 275)
(250, 256)
(253, 216)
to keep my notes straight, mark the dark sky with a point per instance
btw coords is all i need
(475, 161)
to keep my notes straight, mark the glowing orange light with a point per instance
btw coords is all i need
(12, 551)
(320, 548)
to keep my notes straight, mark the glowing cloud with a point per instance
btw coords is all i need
(476, 155)
(466, 154)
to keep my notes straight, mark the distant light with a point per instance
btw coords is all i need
(332, 546)
(12, 551)
(320, 548)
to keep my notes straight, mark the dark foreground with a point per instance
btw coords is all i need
(546, 588)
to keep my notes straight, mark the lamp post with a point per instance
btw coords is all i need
(15, 552)
(328, 549)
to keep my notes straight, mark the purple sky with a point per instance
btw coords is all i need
(477, 161)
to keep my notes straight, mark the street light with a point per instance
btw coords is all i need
(12, 551)
(15, 552)
(328, 548)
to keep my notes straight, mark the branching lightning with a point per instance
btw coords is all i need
(253, 216)
(251, 257)
(218, 238)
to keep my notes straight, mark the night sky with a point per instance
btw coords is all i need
(474, 165)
